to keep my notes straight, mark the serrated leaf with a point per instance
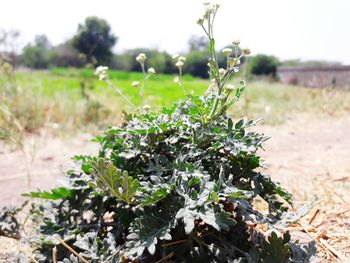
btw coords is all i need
(188, 216)
(276, 249)
(118, 182)
(146, 230)
(54, 194)
(218, 220)
(154, 197)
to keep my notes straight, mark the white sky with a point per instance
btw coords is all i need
(306, 29)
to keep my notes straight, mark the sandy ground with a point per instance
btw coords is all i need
(308, 156)
(52, 156)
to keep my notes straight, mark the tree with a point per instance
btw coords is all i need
(37, 55)
(95, 40)
(263, 65)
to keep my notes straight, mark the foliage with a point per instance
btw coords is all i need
(39, 54)
(95, 40)
(175, 185)
(9, 225)
(263, 65)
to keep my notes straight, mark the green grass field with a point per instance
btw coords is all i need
(55, 96)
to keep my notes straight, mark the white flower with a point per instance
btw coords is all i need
(177, 79)
(236, 69)
(102, 76)
(183, 59)
(210, 8)
(141, 58)
(146, 107)
(222, 71)
(231, 61)
(175, 57)
(236, 42)
(179, 64)
(230, 87)
(151, 71)
(135, 84)
(100, 69)
(101, 72)
(227, 51)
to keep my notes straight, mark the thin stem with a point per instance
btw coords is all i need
(180, 81)
(142, 86)
(110, 84)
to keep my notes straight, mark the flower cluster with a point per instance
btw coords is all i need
(101, 72)
(179, 63)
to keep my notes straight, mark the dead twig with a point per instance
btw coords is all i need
(314, 216)
(54, 254)
(332, 249)
(170, 255)
(174, 243)
(71, 249)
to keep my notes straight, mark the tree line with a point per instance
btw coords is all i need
(93, 42)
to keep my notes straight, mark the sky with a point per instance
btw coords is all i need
(288, 29)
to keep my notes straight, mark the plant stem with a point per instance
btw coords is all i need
(110, 84)
(142, 86)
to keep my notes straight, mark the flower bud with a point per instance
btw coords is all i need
(141, 58)
(210, 8)
(135, 84)
(246, 51)
(175, 57)
(179, 64)
(236, 42)
(227, 51)
(146, 107)
(101, 71)
(231, 61)
(230, 87)
(222, 72)
(200, 21)
(151, 71)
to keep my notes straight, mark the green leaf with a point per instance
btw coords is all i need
(54, 194)
(215, 197)
(219, 220)
(154, 197)
(146, 230)
(118, 182)
(229, 125)
(239, 124)
(276, 249)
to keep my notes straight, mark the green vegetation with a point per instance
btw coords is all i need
(271, 100)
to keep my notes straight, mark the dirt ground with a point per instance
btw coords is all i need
(307, 155)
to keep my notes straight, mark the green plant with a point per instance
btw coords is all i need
(175, 185)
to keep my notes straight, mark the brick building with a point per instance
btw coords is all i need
(316, 76)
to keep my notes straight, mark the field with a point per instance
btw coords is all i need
(58, 94)
(307, 152)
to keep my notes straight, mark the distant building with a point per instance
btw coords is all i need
(315, 77)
